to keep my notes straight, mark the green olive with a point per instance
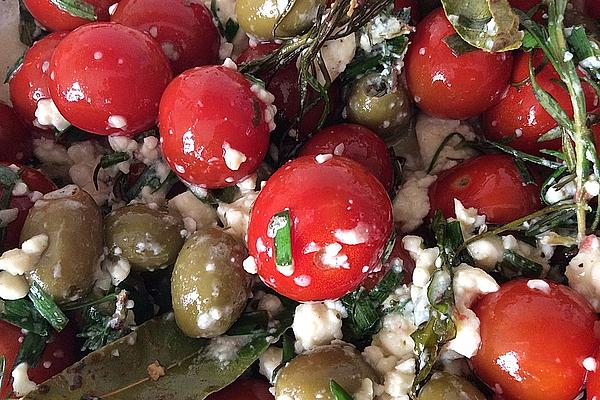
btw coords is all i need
(444, 386)
(372, 104)
(209, 286)
(258, 17)
(148, 238)
(73, 223)
(308, 376)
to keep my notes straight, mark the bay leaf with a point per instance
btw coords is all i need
(193, 368)
(490, 25)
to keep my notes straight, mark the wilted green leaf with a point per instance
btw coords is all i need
(192, 369)
(490, 25)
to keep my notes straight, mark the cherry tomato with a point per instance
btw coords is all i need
(521, 117)
(48, 14)
(413, 4)
(490, 183)
(357, 143)
(340, 222)
(184, 29)
(244, 389)
(592, 8)
(15, 139)
(214, 126)
(592, 385)
(107, 78)
(524, 5)
(398, 257)
(29, 83)
(36, 182)
(449, 86)
(283, 84)
(60, 353)
(534, 338)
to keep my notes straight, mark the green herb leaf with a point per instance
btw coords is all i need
(289, 352)
(338, 392)
(77, 8)
(523, 265)
(231, 29)
(249, 323)
(31, 349)
(2, 369)
(46, 306)
(280, 230)
(458, 45)
(193, 368)
(13, 69)
(8, 177)
(22, 314)
(490, 25)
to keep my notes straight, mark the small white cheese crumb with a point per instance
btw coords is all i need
(539, 284)
(47, 115)
(316, 324)
(23, 260)
(12, 287)
(233, 158)
(22, 385)
(322, 158)
(117, 121)
(250, 265)
(358, 235)
(229, 63)
(411, 204)
(590, 364)
(270, 360)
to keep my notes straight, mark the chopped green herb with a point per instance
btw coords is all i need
(13, 69)
(280, 229)
(77, 8)
(524, 266)
(338, 392)
(31, 349)
(46, 306)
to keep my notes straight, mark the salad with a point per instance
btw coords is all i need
(300, 199)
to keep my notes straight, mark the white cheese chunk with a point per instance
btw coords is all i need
(12, 287)
(195, 213)
(316, 324)
(583, 272)
(411, 204)
(270, 360)
(22, 385)
(47, 115)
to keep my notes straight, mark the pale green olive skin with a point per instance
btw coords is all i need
(148, 238)
(444, 386)
(308, 375)
(387, 114)
(258, 18)
(73, 223)
(209, 286)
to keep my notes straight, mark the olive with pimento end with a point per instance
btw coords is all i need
(209, 286)
(72, 221)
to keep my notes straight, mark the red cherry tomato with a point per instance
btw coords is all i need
(184, 29)
(36, 182)
(107, 78)
(398, 257)
(47, 13)
(340, 218)
(357, 143)
(521, 117)
(15, 139)
(29, 83)
(213, 126)
(449, 86)
(490, 183)
(413, 4)
(592, 385)
(244, 389)
(592, 7)
(283, 84)
(60, 353)
(534, 338)
(524, 5)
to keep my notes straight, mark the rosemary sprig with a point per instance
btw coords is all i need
(578, 146)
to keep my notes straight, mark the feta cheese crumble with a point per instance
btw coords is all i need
(317, 324)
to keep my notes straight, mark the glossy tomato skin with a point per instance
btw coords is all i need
(15, 138)
(445, 85)
(534, 341)
(490, 183)
(398, 257)
(357, 143)
(340, 218)
(209, 118)
(36, 182)
(521, 117)
(54, 19)
(244, 389)
(283, 84)
(184, 29)
(107, 78)
(61, 352)
(592, 385)
(29, 83)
